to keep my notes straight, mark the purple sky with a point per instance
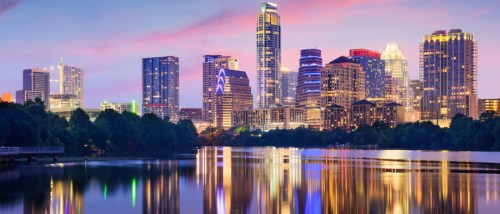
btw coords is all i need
(109, 38)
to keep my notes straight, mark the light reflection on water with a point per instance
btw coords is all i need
(262, 180)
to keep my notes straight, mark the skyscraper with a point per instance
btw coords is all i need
(308, 86)
(160, 86)
(71, 81)
(489, 105)
(396, 67)
(268, 56)
(211, 66)
(342, 83)
(374, 69)
(448, 68)
(288, 86)
(36, 84)
(232, 93)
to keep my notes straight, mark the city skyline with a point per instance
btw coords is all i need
(117, 51)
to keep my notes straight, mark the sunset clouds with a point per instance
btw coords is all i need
(109, 38)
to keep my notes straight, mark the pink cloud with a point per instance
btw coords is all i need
(6, 5)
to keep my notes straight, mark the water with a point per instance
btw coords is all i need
(262, 180)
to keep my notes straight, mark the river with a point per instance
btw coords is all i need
(261, 180)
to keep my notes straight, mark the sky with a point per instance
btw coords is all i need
(109, 38)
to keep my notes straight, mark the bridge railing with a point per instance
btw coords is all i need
(9, 150)
(31, 150)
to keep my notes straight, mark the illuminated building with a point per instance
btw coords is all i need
(268, 56)
(374, 69)
(160, 86)
(211, 66)
(233, 92)
(288, 86)
(120, 107)
(448, 68)
(276, 117)
(71, 81)
(335, 116)
(63, 102)
(36, 84)
(308, 86)
(489, 105)
(396, 67)
(363, 112)
(6, 97)
(193, 114)
(342, 83)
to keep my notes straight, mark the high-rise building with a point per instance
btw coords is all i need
(268, 56)
(489, 105)
(6, 97)
(120, 107)
(374, 69)
(448, 70)
(309, 85)
(233, 92)
(288, 86)
(160, 86)
(71, 81)
(36, 84)
(342, 83)
(396, 67)
(211, 67)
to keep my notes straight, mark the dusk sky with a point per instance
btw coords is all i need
(109, 38)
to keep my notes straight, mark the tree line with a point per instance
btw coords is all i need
(113, 132)
(464, 133)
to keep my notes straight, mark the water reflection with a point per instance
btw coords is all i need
(257, 180)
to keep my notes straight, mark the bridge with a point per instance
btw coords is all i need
(8, 153)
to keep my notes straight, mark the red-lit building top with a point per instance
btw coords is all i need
(364, 52)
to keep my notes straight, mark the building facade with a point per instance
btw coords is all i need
(342, 83)
(36, 84)
(268, 56)
(448, 68)
(63, 102)
(131, 107)
(374, 69)
(275, 117)
(396, 67)
(361, 113)
(233, 92)
(288, 86)
(193, 114)
(418, 92)
(6, 97)
(160, 86)
(71, 82)
(211, 67)
(489, 105)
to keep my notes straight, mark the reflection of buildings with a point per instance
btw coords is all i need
(66, 197)
(161, 188)
(294, 181)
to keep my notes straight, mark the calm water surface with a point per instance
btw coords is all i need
(262, 180)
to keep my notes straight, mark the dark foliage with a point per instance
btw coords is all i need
(125, 133)
(464, 134)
